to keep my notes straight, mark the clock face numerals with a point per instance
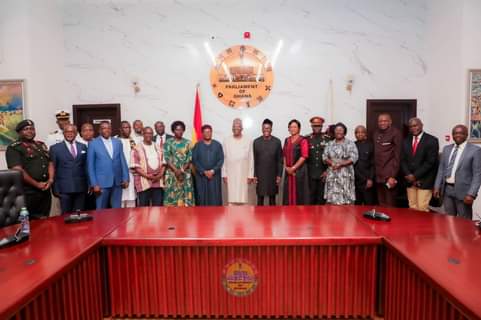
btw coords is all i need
(242, 77)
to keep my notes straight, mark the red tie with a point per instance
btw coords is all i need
(415, 144)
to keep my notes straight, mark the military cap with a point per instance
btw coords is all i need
(61, 115)
(316, 120)
(24, 123)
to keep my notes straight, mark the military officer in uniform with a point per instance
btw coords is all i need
(63, 118)
(316, 168)
(31, 158)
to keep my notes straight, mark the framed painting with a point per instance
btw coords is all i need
(12, 104)
(474, 105)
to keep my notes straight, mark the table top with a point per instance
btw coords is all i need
(407, 223)
(53, 246)
(243, 225)
(445, 249)
(451, 263)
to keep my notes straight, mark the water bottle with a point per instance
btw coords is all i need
(24, 223)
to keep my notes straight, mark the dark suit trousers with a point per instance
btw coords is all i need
(90, 200)
(151, 197)
(38, 203)
(272, 200)
(386, 197)
(364, 196)
(316, 188)
(454, 206)
(71, 202)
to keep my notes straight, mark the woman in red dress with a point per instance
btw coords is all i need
(296, 182)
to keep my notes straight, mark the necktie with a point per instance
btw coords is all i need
(449, 168)
(72, 150)
(161, 142)
(415, 144)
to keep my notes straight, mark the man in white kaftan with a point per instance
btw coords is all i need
(237, 171)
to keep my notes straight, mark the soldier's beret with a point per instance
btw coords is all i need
(24, 123)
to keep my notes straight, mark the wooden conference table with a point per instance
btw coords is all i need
(305, 261)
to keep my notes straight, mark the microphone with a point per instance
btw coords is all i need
(18, 237)
(374, 215)
(78, 217)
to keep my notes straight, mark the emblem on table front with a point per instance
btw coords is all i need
(239, 277)
(241, 77)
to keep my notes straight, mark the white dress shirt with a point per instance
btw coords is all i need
(109, 146)
(461, 147)
(159, 137)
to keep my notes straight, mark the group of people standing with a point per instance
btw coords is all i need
(147, 167)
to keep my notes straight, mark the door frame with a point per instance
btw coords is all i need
(77, 108)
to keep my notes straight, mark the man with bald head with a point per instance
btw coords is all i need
(137, 135)
(238, 168)
(419, 164)
(387, 159)
(364, 168)
(459, 175)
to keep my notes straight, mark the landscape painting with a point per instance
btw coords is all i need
(12, 104)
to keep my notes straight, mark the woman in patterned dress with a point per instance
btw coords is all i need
(179, 190)
(340, 156)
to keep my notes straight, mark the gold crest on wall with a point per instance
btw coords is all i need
(242, 77)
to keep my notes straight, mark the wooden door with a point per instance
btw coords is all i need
(95, 114)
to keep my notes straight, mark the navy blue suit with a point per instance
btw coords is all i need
(70, 175)
(107, 172)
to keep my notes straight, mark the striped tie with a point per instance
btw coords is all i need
(449, 168)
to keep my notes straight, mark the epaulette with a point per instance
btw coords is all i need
(41, 144)
(15, 143)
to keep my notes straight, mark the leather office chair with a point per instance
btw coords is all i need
(11, 196)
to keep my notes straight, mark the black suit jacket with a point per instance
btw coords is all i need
(424, 164)
(167, 136)
(364, 167)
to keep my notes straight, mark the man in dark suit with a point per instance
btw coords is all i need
(364, 168)
(459, 175)
(70, 162)
(107, 168)
(387, 159)
(419, 164)
(161, 136)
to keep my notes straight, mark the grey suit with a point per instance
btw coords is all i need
(467, 177)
